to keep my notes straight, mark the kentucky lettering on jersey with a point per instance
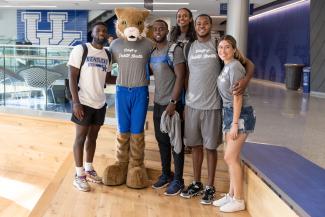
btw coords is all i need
(98, 62)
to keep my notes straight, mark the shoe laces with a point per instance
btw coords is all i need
(92, 172)
(176, 183)
(82, 178)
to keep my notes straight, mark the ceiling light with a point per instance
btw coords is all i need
(218, 16)
(277, 9)
(141, 3)
(57, 1)
(28, 6)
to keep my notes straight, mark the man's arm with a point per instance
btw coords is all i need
(110, 79)
(240, 86)
(73, 84)
(180, 70)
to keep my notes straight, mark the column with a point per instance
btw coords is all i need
(237, 22)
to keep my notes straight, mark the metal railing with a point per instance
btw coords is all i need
(33, 77)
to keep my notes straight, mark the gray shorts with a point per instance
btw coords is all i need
(203, 127)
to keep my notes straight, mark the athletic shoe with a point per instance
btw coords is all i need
(163, 181)
(208, 195)
(93, 177)
(174, 188)
(192, 190)
(233, 206)
(80, 182)
(222, 201)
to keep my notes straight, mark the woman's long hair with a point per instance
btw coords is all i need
(238, 54)
(176, 30)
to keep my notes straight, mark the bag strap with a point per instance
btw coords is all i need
(170, 53)
(108, 55)
(83, 59)
(186, 50)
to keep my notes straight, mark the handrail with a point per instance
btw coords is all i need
(36, 46)
(35, 57)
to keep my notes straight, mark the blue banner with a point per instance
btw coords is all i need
(44, 27)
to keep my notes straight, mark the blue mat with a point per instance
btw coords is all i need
(297, 180)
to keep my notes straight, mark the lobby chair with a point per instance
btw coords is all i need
(38, 77)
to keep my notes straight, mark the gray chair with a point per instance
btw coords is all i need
(61, 68)
(40, 77)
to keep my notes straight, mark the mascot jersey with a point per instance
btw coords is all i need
(132, 95)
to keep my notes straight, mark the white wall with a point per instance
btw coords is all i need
(8, 24)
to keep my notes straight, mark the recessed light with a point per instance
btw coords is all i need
(141, 3)
(28, 6)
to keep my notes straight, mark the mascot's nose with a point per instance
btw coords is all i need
(131, 33)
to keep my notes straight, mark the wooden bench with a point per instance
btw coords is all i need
(296, 180)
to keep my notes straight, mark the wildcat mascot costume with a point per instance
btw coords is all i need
(131, 51)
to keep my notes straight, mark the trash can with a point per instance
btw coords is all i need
(293, 74)
(306, 80)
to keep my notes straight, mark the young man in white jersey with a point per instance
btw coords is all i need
(87, 81)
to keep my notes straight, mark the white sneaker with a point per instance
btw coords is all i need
(222, 201)
(233, 206)
(80, 182)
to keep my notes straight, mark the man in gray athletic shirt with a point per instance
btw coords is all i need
(169, 82)
(203, 117)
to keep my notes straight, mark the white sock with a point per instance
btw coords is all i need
(80, 171)
(89, 166)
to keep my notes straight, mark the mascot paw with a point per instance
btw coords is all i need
(137, 177)
(115, 174)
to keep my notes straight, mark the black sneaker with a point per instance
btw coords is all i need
(163, 181)
(192, 190)
(208, 195)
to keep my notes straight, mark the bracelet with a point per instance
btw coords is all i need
(234, 123)
(76, 103)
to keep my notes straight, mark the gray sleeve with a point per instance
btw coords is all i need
(111, 49)
(236, 72)
(178, 56)
(150, 43)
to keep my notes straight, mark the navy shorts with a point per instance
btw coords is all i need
(246, 121)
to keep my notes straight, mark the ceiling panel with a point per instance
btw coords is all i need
(209, 6)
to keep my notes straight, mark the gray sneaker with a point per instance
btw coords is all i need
(92, 176)
(80, 182)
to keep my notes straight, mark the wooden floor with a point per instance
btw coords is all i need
(36, 172)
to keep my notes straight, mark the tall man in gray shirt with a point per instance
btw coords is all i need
(169, 81)
(203, 107)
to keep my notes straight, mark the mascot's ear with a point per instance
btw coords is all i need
(145, 14)
(118, 11)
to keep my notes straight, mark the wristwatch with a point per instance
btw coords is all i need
(173, 101)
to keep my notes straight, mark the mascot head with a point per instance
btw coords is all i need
(130, 23)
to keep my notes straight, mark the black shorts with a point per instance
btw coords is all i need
(91, 116)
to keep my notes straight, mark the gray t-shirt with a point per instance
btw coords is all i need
(182, 38)
(231, 73)
(164, 76)
(132, 58)
(204, 69)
